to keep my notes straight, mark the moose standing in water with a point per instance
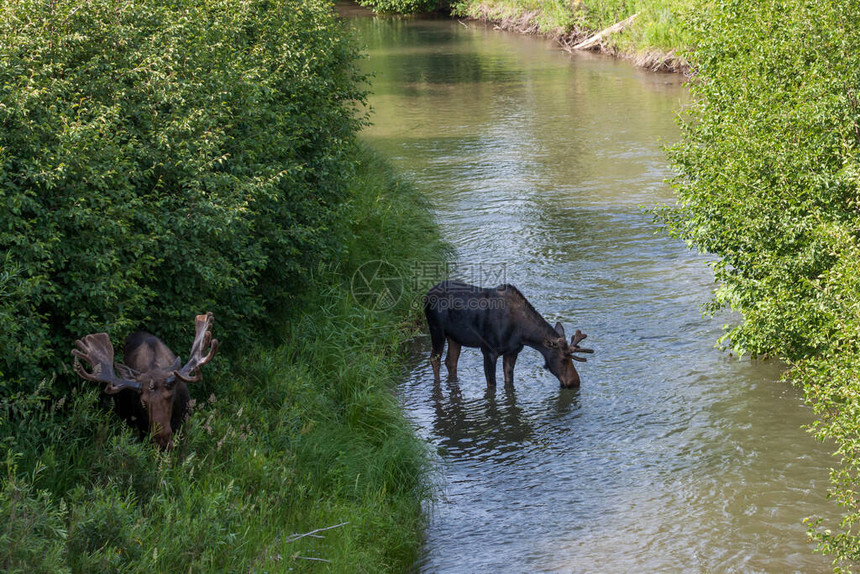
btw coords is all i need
(150, 392)
(500, 321)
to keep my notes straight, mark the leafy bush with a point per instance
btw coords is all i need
(300, 435)
(769, 167)
(403, 6)
(770, 177)
(160, 159)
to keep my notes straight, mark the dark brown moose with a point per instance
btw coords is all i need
(499, 321)
(150, 392)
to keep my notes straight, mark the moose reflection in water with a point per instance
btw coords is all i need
(499, 321)
(150, 392)
(487, 424)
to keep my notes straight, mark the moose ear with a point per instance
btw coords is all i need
(550, 343)
(559, 328)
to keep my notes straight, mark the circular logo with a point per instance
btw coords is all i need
(377, 285)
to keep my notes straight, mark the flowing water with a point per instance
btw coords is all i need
(673, 456)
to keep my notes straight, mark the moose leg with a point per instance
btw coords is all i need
(452, 358)
(437, 339)
(508, 362)
(490, 358)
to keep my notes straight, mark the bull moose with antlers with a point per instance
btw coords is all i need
(499, 321)
(149, 390)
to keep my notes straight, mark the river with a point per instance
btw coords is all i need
(673, 455)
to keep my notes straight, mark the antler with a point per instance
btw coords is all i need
(575, 348)
(96, 349)
(202, 340)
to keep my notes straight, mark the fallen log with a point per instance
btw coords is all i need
(592, 41)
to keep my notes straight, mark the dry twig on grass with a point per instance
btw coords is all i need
(314, 533)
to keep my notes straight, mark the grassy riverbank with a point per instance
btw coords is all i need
(656, 37)
(285, 439)
(656, 30)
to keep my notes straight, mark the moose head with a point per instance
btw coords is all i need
(560, 359)
(149, 390)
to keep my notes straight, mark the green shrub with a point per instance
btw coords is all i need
(768, 163)
(769, 182)
(160, 159)
(403, 6)
(302, 433)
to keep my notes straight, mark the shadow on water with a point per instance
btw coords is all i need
(474, 428)
(672, 456)
(492, 425)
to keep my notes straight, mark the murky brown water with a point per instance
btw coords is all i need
(673, 456)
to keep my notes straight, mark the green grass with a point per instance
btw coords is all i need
(549, 16)
(659, 25)
(286, 438)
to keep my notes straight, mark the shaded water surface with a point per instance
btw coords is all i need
(672, 456)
